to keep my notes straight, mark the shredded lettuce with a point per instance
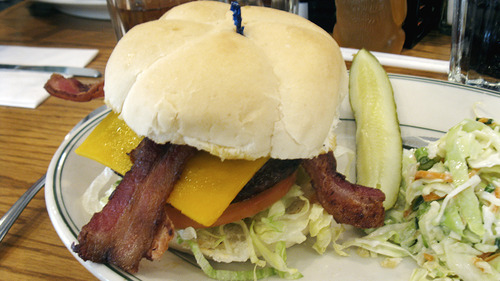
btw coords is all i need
(263, 239)
(96, 195)
(219, 274)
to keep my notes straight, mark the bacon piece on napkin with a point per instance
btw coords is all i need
(134, 224)
(348, 203)
(72, 89)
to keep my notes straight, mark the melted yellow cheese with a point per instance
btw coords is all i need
(206, 187)
(109, 144)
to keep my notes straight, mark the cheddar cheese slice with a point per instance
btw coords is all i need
(109, 144)
(208, 185)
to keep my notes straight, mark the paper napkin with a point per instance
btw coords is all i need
(25, 88)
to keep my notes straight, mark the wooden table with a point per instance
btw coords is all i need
(29, 137)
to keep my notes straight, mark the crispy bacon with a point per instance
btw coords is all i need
(349, 203)
(134, 223)
(72, 89)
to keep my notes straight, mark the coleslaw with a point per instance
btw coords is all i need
(447, 217)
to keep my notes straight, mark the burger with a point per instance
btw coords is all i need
(217, 137)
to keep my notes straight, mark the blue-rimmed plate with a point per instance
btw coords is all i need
(426, 107)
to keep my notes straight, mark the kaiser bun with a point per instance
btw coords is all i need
(189, 78)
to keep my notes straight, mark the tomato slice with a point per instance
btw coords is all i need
(239, 210)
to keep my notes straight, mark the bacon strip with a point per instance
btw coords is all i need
(134, 223)
(72, 89)
(349, 203)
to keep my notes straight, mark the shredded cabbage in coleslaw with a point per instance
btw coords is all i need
(448, 213)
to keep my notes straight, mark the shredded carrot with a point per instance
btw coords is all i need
(432, 197)
(486, 121)
(407, 212)
(488, 256)
(484, 255)
(421, 174)
(473, 172)
(428, 257)
(491, 257)
(497, 192)
(477, 262)
(494, 208)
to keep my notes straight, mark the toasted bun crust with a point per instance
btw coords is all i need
(189, 78)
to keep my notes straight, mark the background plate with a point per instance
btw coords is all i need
(92, 9)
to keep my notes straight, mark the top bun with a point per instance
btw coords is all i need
(189, 78)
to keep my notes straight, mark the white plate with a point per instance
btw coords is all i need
(426, 108)
(92, 9)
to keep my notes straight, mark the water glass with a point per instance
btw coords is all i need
(475, 49)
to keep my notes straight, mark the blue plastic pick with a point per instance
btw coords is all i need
(236, 9)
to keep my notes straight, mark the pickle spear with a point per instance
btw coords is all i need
(378, 136)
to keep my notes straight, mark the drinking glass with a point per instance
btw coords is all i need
(475, 48)
(125, 14)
